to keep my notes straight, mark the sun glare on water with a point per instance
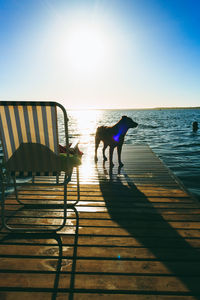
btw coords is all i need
(86, 123)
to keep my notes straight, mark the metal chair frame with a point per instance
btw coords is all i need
(12, 171)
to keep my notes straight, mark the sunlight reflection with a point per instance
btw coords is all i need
(87, 170)
(86, 122)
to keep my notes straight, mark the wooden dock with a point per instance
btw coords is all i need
(135, 234)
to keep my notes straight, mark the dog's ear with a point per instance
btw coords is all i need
(124, 117)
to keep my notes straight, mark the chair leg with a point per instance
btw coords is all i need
(15, 187)
(2, 206)
(64, 205)
(74, 261)
(16, 192)
(78, 185)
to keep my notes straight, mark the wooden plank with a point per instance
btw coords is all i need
(138, 236)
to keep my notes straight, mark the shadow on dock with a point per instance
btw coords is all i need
(42, 273)
(163, 241)
(10, 238)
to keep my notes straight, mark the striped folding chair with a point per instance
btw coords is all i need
(30, 141)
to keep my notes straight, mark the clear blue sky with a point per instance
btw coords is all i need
(101, 54)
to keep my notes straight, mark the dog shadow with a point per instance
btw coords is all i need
(132, 210)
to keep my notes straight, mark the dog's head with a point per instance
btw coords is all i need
(129, 122)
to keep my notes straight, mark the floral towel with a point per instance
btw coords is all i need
(74, 158)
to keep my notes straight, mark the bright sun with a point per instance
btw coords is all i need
(87, 48)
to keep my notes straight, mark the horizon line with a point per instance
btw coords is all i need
(139, 108)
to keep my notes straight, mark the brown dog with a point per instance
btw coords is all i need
(113, 137)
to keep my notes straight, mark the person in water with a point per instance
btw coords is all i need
(195, 126)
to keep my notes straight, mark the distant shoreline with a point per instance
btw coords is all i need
(197, 107)
(153, 108)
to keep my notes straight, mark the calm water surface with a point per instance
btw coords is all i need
(168, 132)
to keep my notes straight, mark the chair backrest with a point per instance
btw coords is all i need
(27, 123)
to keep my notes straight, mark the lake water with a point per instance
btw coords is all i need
(167, 131)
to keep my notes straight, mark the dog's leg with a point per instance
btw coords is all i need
(104, 149)
(119, 150)
(97, 141)
(111, 156)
